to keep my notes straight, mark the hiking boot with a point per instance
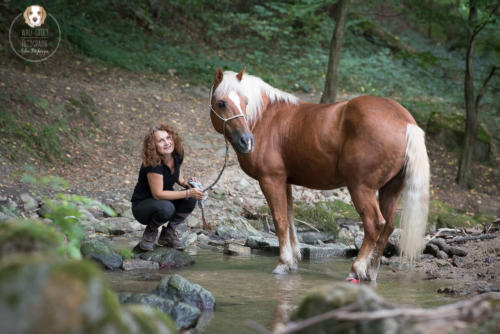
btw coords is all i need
(148, 238)
(168, 238)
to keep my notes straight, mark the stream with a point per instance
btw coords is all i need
(244, 288)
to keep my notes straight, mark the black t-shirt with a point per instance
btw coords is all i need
(142, 190)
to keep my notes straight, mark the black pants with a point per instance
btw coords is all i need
(162, 210)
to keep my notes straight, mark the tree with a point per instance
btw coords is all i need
(480, 14)
(332, 75)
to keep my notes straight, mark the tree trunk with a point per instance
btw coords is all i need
(470, 107)
(332, 75)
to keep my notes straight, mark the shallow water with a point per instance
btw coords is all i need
(244, 288)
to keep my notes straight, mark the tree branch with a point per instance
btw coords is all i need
(469, 310)
(483, 87)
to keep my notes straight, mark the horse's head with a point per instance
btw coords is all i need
(228, 110)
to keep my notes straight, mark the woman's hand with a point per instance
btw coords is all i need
(196, 193)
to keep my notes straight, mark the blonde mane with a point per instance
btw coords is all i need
(252, 87)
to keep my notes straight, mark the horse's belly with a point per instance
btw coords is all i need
(320, 181)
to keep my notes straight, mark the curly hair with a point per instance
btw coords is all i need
(150, 156)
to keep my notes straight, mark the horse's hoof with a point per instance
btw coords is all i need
(352, 280)
(281, 269)
(294, 268)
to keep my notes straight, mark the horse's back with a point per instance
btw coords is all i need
(374, 140)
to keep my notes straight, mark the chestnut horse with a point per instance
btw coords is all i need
(368, 144)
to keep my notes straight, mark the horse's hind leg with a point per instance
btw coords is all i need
(297, 255)
(365, 202)
(276, 195)
(388, 197)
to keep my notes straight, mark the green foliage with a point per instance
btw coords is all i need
(21, 236)
(286, 43)
(126, 253)
(64, 211)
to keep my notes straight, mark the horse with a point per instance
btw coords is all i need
(368, 144)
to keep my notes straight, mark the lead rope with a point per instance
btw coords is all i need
(201, 203)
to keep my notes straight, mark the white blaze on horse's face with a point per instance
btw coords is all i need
(236, 99)
(245, 141)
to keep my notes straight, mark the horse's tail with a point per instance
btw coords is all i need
(415, 196)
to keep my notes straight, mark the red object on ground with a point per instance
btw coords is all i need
(352, 280)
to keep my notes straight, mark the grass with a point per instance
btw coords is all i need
(322, 215)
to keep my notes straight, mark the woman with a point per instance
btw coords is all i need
(154, 201)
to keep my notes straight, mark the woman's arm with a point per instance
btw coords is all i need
(156, 185)
(182, 182)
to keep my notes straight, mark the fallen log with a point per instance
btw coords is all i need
(462, 240)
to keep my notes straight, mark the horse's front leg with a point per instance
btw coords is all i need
(274, 190)
(294, 242)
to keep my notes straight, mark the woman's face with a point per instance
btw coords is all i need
(163, 142)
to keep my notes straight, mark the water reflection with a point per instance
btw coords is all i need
(287, 286)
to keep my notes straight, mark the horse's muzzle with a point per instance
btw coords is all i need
(243, 142)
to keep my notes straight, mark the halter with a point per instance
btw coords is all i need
(224, 134)
(222, 118)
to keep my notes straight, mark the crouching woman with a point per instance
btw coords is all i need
(154, 201)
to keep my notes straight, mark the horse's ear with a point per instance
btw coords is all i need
(219, 75)
(240, 75)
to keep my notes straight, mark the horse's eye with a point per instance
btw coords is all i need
(221, 104)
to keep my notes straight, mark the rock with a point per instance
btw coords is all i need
(168, 257)
(449, 290)
(358, 298)
(120, 207)
(122, 225)
(235, 228)
(184, 315)
(325, 251)
(27, 237)
(232, 248)
(145, 319)
(29, 203)
(179, 289)
(266, 242)
(136, 264)
(457, 261)
(358, 240)
(312, 238)
(102, 253)
(43, 295)
(242, 185)
(189, 238)
(393, 244)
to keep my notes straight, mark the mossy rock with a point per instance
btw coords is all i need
(444, 215)
(179, 289)
(331, 297)
(44, 295)
(27, 236)
(450, 131)
(184, 315)
(101, 252)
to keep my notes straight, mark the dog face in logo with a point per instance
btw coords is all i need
(34, 16)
